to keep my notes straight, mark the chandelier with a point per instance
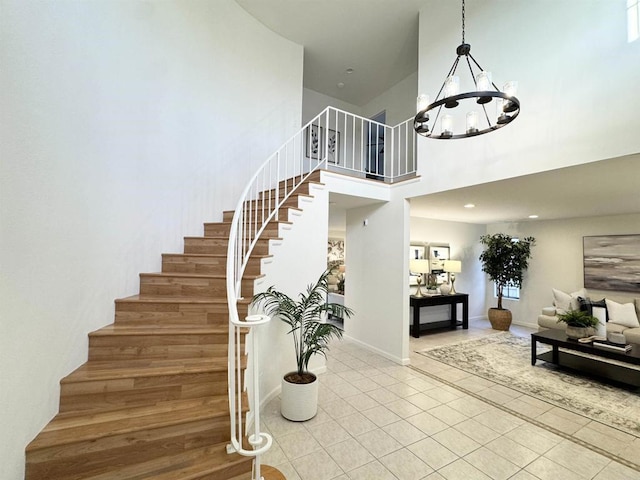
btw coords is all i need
(478, 119)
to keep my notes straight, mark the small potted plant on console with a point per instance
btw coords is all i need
(579, 323)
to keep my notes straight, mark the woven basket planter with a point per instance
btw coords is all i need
(500, 319)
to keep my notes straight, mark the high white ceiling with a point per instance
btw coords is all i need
(378, 39)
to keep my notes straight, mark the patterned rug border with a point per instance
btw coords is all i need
(533, 421)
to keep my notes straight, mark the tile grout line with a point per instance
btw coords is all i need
(533, 421)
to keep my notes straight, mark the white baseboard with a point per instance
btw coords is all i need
(393, 358)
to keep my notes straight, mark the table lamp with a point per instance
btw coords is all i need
(419, 266)
(453, 267)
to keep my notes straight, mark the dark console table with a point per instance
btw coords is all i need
(431, 301)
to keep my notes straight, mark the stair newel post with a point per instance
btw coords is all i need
(256, 439)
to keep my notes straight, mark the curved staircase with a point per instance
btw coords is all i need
(151, 401)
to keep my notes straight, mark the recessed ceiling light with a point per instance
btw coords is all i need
(533, 216)
(469, 205)
(341, 85)
(349, 71)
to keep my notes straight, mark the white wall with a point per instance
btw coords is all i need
(124, 127)
(297, 262)
(577, 77)
(314, 102)
(464, 245)
(399, 102)
(377, 288)
(557, 260)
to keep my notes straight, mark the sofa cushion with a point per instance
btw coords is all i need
(548, 321)
(622, 314)
(567, 301)
(632, 335)
(616, 328)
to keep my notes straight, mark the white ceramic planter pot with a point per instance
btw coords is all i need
(299, 402)
(579, 332)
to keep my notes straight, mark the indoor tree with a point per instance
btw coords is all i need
(505, 259)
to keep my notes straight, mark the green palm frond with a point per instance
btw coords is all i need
(304, 316)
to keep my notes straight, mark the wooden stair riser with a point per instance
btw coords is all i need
(211, 462)
(188, 286)
(132, 347)
(182, 313)
(294, 184)
(218, 246)
(78, 460)
(260, 208)
(303, 189)
(272, 229)
(109, 394)
(205, 264)
(286, 214)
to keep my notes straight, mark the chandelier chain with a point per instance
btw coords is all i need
(462, 21)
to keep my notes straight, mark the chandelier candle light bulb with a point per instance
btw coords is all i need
(451, 89)
(422, 102)
(510, 88)
(483, 81)
(447, 126)
(472, 122)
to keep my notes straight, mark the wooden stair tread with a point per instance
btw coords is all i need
(188, 465)
(115, 329)
(226, 238)
(175, 299)
(283, 206)
(74, 428)
(197, 275)
(208, 255)
(103, 370)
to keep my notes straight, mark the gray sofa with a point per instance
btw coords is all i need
(548, 318)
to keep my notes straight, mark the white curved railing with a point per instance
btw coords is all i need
(338, 141)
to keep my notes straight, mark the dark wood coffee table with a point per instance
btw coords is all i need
(592, 366)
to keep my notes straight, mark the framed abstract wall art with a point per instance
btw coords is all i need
(612, 262)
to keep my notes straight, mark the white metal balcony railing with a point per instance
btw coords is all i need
(335, 140)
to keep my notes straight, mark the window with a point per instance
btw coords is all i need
(512, 293)
(508, 291)
(633, 20)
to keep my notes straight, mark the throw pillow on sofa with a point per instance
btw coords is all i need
(586, 305)
(567, 301)
(622, 314)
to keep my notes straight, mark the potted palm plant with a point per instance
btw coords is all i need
(505, 259)
(305, 317)
(579, 323)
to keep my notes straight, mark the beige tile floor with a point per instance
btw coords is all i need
(379, 420)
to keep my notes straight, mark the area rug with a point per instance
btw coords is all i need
(506, 359)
